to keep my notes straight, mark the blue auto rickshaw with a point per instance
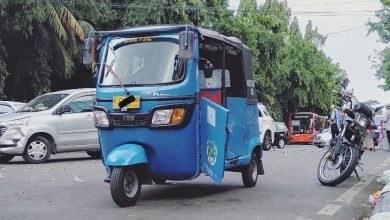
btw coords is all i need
(172, 102)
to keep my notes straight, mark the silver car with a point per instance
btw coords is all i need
(56, 122)
(10, 107)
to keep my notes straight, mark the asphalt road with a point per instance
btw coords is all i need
(71, 186)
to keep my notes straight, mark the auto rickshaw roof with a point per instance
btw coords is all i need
(164, 29)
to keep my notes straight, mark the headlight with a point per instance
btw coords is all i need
(15, 123)
(168, 116)
(101, 119)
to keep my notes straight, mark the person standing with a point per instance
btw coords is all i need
(386, 124)
(335, 121)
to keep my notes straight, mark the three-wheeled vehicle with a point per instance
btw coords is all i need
(173, 102)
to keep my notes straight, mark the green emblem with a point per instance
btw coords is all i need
(211, 152)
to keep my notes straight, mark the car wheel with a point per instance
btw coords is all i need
(250, 172)
(95, 154)
(125, 186)
(37, 150)
(281, 143)
(267, 142)
(5, 158)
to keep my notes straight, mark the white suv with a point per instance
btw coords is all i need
(266, 127)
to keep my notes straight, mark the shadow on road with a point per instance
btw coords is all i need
(185, 190)
(55, 160)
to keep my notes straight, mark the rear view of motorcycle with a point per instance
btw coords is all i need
(345, 151)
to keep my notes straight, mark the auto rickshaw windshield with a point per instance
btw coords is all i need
(143, 62)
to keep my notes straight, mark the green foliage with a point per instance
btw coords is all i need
(43, 45)
(382, 27)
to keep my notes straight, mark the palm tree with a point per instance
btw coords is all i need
(43, 43)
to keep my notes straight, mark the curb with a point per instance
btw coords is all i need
(382, 204)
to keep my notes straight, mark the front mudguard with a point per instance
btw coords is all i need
(126, 155)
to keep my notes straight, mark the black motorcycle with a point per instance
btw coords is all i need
(345, 151)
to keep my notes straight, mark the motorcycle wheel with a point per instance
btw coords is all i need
(332, 173)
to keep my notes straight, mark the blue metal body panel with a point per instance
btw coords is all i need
(125, 155)
(244, 131)
(176, 153)
(172, 152)
(213, 139)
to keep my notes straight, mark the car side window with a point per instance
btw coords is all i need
(260, 114)
(81, 104)
(265, 111)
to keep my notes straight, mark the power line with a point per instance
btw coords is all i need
(345, 30)
(332, 3)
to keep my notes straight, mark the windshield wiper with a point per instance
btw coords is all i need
(130, 98)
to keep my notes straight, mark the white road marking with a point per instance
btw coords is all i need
(329, 210)
(354, 190)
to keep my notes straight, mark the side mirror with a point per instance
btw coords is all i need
(208, 69)
(64, 109)
(89, 51)
(186, 45)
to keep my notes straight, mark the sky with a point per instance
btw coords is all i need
(348, 42)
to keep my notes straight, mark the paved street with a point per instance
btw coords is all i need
(71, 186)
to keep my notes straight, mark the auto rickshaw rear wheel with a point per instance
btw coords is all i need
(250, 172)
(159, 180)
(125, 186)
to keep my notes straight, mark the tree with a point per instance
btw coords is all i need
(42, 41)
(382, 27)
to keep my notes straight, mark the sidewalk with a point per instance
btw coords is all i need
(381, 199)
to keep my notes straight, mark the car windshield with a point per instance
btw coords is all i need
(43, 102)
(142, 62)
(302, 124)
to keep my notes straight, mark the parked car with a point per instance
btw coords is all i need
(266, 127)
(280, 136)
(10, 107)
(56, 122)
(322, 138)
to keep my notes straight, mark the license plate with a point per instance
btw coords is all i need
(133, 105)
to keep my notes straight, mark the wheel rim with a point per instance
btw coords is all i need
(281, 143)
(37, 150)
(330, 170)
(253, 170)
(130, 184)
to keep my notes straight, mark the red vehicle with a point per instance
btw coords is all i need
(303, 126)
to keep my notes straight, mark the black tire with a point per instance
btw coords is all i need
(250, 172)
(5, 158)
(281, 143)
(122, 195)
(267, 141)
(95, 154)
(159, 180)
(37, 150)
(345, 169)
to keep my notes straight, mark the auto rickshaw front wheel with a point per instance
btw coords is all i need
(125, 186)
(250, 172)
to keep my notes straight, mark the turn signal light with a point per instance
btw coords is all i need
(177, 115)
